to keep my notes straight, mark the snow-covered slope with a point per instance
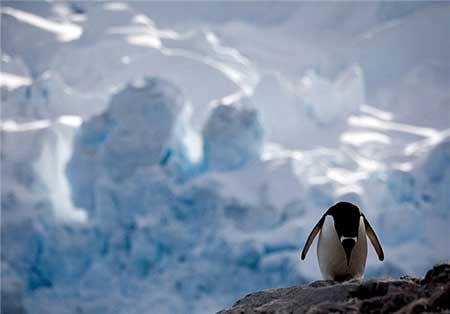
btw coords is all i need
(155, 163)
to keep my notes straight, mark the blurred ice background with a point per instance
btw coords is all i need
(172, 157)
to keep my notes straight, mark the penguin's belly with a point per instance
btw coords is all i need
(331, 254)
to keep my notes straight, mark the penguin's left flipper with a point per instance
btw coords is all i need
(373, 239)
(311, 236)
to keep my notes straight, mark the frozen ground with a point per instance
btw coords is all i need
(169, 158)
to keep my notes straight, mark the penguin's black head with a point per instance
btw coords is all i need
(346, 218)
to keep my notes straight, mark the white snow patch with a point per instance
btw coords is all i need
(12, 81)
(65, 31)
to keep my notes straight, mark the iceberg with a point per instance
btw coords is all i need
(232, 137)
(144, 222)
(155, 164)
(145, 124)
(328, 102)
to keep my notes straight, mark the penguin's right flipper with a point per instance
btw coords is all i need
(311, 236)
(374, 239)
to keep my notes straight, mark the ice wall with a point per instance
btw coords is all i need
(232, 137)
(154, 162)
(146, 233)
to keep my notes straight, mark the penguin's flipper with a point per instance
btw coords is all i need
(311, 236)
(373, 239)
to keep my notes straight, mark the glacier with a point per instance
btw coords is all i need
(152, 163)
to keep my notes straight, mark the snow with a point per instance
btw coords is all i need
(64, 31)
(156, 163)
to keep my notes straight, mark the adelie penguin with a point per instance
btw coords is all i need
(342, 246)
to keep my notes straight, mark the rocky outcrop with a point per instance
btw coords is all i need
(403, 296)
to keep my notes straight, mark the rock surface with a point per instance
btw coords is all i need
(405, 295)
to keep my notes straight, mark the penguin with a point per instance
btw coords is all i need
(342, 246)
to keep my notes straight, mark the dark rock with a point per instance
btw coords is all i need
(375, 288)
(325, 308)
(414, 279)
(322, 283)
(407, 295)
(441, 298)
(386, 304)
(291, 300)
(439, 274)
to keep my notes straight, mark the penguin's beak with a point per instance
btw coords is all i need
(348, 244)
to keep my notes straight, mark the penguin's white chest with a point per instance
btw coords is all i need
(331, 254)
